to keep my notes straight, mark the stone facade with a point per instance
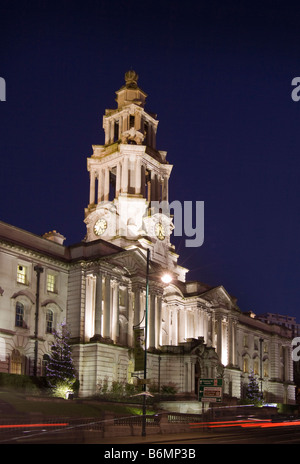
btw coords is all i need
(99, 285)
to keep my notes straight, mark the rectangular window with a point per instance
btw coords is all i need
(245, 365)
(49, 321)
(19, 314)
(21, 274)
(131, 121)
(51, 281)
(116, 131)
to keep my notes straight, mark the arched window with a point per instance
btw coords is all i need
(245, 365)
(19, 315)
(16, 363)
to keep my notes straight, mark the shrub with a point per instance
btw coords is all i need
(169, 389)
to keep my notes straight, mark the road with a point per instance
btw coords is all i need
(231, 432)
(280, 435)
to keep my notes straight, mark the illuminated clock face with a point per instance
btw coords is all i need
(100, 226)
(160, 231)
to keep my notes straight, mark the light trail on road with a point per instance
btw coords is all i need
(263, 423)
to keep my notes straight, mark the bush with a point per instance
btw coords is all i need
(117, 391)
(169, 389)
(24, 383)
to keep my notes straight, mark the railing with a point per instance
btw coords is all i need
(151, 420)
(15, 428)
(183, 417)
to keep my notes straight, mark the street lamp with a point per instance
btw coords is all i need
(166, 278)
(261, 369)
(145, 338)
(38, 269)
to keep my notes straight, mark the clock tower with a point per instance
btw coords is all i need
(129, 180)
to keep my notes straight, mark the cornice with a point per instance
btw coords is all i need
(17, 249)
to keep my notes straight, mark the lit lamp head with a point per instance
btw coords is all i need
(166, 278)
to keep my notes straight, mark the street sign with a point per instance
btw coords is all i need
(210, 390)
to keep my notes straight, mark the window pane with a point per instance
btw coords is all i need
(49, 321)
(51, 283)
(19, 314)
(21, 274)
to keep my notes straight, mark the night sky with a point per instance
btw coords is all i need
(217, 73)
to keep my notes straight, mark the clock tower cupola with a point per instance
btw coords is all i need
(128, 175)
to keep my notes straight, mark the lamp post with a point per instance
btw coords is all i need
(166, 278)
(38, 269)
(261, 369)
(145, 354)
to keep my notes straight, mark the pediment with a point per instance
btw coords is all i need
(134, 262)
(219, 297)
(49, 302)
(25, 293)
(173, 290)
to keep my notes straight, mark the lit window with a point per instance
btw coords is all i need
(245, 365)
(16, 364)
(49, 321)
(21, 274)
(19, 314)
(266, 370)
(51, 283)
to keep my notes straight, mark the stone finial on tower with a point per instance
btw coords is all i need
(131, 78)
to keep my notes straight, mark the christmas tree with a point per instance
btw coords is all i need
(60, 372)
(253, 395)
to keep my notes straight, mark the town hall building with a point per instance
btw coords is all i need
(99, 285)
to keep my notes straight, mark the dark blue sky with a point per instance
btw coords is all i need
(218, 74)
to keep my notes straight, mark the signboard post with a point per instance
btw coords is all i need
(139, 349)
(210, 390)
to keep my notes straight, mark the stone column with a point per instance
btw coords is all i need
(232, 342)
(129, 315)
(213, 330)
(224, 358)
(165, 194)
(138, 176)
(118, 179)
(115, 312)
(124, 187)
(175, 325)
(153, 185)
(219, 337)
(107, 312)
(106, 185)
(181, 317)
(106, 131)
(100, 185)
(92, 187)
(158, 322)
(143, 180)
(137, 307)
(98, 305)
(112, 130)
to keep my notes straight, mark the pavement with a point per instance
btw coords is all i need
(149, 439)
